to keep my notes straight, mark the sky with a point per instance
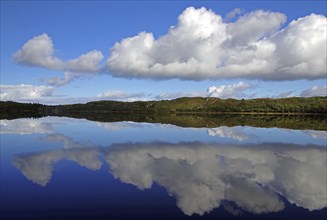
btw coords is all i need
(57, 52)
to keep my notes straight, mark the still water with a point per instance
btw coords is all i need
(58, 167)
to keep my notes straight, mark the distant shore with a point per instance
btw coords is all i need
(194, 105)
(293, 113)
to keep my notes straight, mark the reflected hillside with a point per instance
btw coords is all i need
(299, 122)
(291, 113)
(122, 131)
(200, 176)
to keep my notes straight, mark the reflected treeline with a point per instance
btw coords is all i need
(299, 122)
(47, 125)
(200, 176)
(294, 113)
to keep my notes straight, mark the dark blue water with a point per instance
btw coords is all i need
(55, 168)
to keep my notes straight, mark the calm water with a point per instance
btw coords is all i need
(57, 167)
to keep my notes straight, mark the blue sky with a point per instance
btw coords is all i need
(179, 62)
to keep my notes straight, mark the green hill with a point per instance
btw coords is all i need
(293, 113)
(296, 105)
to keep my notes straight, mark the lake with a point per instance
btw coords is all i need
(60, 167)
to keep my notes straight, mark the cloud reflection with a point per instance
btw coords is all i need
(123, 125)
(316, 134)
(235, 133)
(38, 167)
(25, 126)
(202, 176)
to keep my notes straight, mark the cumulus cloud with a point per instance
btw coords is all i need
(44, 94)
(88, 62)
(310, 92)
(174, 95)
(253, 26)
(122, 96)
(203, 46)
(315, 91)
(39, 51)
(232, 14)
(284, 95)
(228, 91)
(301, 48)
(61, 81)
(24, 92)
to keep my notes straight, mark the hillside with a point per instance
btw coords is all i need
(313, 105)
(316, 105)
(293, 113)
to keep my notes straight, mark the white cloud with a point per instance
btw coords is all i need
(301, 48)
(310, 92)
(175, 95)
(253, 26)
(88, 62)
(284, 95)
(68, 77)
(122, 96)
(39, 51)
(24, 92)
(228, 91)
(202, 46)
(232, 14)
(44, 94)
(315, 91)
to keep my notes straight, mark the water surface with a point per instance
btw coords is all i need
(63, 167)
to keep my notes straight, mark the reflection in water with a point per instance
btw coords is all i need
(316, 134)
(49, 126)
(202, 176)
(25, 126)
(236, 133)
(117, 126)
(66, 141)
(37, 167)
